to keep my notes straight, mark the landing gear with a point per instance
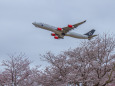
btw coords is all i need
(63, 34)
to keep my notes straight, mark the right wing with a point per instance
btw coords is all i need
(67, 29)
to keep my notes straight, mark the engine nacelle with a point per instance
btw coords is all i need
(60, 29)
(70, 26)
(53, 34)
(56, 37)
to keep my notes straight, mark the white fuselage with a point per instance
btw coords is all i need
(76, 35)
(54, 29)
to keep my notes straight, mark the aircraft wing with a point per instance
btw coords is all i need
(67, 29)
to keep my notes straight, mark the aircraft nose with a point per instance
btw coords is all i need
(34, 23)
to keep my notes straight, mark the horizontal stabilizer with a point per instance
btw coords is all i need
(91, 37)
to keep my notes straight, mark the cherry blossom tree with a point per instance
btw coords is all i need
(33, 79)
(92, 64)
(16, 70)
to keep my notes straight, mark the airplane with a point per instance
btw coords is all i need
(59, 33)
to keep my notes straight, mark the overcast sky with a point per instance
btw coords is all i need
(17, 34)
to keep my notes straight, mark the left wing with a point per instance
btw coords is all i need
(70, 27)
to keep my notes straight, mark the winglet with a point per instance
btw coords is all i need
(76, 25)
(85, 21)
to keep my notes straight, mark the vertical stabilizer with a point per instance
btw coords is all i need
(90, 33)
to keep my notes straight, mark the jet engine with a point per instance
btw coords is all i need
(56, 37)
(70, 26)
(60, 29)
(53, 34)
